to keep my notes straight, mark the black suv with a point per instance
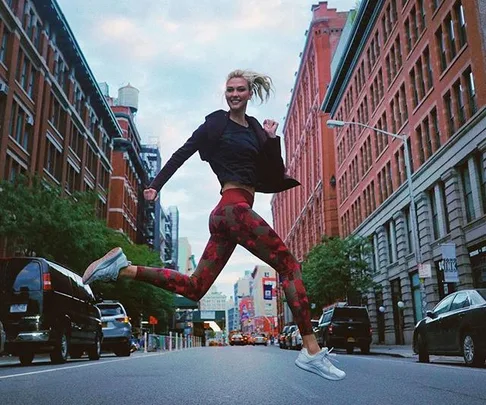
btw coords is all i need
(46, 308)
(345, 327)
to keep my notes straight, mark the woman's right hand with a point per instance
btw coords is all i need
(150, 194)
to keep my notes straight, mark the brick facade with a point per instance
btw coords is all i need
(417, 72)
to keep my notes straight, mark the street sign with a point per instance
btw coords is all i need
(448, 264)
(153, 320)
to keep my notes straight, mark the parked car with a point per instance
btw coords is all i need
(2, 338)
(282, 337)
(46, 308)
(345, 327)
(117, 329)
(288, 337)
(455, 327)
(237, 339)
(296, 340)
(259, 339)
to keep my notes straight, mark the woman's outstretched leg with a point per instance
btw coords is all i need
(216, 254)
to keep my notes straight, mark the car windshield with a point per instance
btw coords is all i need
(345, 314)
(110, 310)
(20, 275)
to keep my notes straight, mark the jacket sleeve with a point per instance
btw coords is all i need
(273, 155)
(193, 144)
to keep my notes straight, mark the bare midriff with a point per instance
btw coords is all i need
(234, 184)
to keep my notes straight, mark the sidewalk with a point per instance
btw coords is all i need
(405, 351)
(393, 350)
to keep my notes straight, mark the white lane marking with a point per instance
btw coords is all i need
(78, 366)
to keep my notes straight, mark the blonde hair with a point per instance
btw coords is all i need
(259, 84)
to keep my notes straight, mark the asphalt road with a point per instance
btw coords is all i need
(237, 375)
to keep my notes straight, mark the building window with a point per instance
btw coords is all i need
(53, 163)
(435, 127)
(434, 215)
(21, 127)
(457, 89)
(471, 90)
(416, 296)
(467, 191)
(390, 236)
(3, 44)
(459, 15)
(441, 48)
(478, 161)
(451, 125)
(409, 230)
(445, 207)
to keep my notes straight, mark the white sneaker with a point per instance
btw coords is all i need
(319, 364)
(106, 268)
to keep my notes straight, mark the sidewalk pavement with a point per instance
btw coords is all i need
(405, 351)
(393, 350)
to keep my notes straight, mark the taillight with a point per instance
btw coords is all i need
(122, 319)
(46, 282)
(329, 329)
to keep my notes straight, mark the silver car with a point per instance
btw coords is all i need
(117, 329)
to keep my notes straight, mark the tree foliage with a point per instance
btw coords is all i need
(337, 270)
(37, 219)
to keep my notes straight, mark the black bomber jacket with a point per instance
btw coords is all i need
(271, 177)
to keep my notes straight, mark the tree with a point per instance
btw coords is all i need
(37, 219)
(337, 270)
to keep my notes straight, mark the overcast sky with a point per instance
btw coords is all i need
(178, 53)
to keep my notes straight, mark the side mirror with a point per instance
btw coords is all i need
(430, 314)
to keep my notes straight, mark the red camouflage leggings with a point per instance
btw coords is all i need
(234, 222)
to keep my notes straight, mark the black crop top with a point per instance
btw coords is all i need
(235, 157)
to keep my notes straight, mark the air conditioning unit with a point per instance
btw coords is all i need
(3, 87)
(30, 120)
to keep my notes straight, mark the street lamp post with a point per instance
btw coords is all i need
(408, 170)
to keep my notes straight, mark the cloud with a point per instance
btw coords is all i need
(178, 53)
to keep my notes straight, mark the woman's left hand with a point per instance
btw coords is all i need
(270, 127)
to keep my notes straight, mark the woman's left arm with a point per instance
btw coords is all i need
(272, 149)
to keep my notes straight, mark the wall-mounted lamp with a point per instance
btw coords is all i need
(332, 181)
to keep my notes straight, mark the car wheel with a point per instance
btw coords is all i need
(470, 352)
(350, 349)
(61, 349)
(26, 358)
(75, 353)
(422, 349)
(365, 349)
(94, 352)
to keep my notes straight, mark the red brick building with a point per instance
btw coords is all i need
(302, 215)
(54, 121)
(413, 67)
(126, 204)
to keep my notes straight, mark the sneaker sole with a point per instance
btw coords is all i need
(92, 267)
(314, 370)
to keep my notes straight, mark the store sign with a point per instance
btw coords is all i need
(267, 291)
(448, 264)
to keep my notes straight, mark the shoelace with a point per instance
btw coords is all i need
(329, 355)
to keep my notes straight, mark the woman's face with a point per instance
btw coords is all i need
(237, 93)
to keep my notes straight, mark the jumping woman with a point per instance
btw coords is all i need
(246, 158)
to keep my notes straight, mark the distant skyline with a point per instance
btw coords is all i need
(178, 53)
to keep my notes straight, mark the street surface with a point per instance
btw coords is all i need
(235, 375)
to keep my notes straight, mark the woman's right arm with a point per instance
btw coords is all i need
(179, 157)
